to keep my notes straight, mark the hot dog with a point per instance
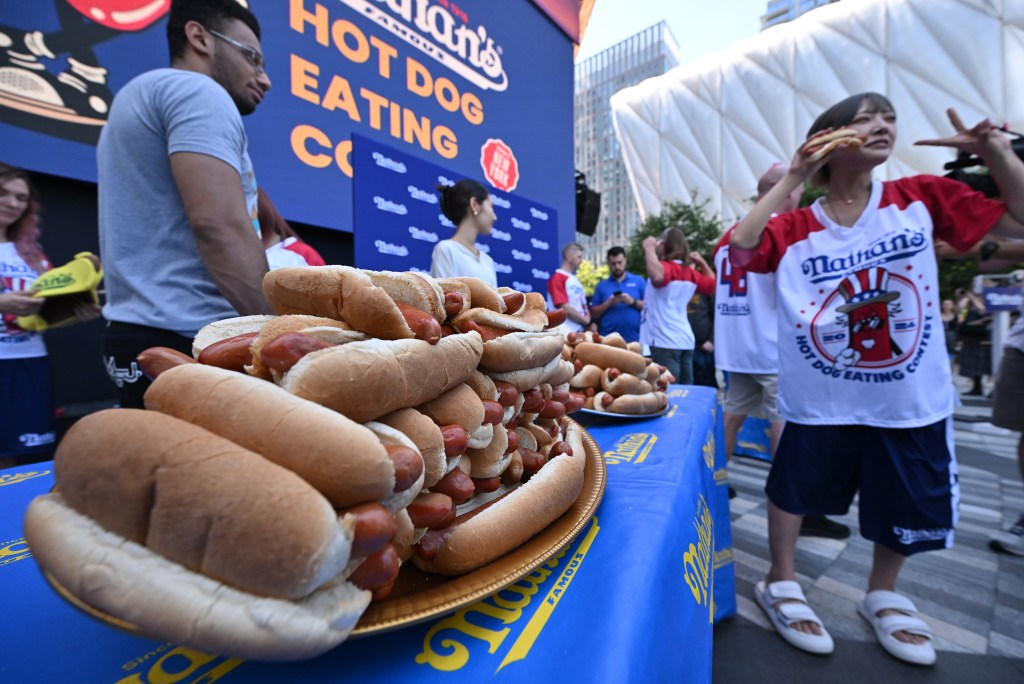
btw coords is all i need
(155, 360)
(819, 146)
(139, 528)
(480, 536)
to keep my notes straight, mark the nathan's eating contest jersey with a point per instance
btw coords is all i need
(859, 332)
(745, 320)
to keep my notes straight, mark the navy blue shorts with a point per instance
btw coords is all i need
(907, 479)
(27, 422)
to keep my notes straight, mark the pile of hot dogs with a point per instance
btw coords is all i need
(278, 479)
(614, 377)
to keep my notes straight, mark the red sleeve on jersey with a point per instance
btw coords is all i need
(961, 216)
(556, 288)
(705, 284)
(722, 242)
(782, 231)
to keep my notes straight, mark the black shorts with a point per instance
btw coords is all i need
(122, 343)
(907, 479)
(27, 422)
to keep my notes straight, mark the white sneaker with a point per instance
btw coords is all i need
(1010, 541)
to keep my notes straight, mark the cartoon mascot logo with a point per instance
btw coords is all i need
(872, 320)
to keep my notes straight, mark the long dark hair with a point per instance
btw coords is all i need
(840, 115)
(25, 232)
(676, 246)
(455, 198)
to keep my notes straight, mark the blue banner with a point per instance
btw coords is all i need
(454, 83)
(398, 220)
(1003, 298)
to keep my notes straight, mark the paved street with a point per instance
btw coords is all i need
(972, 597)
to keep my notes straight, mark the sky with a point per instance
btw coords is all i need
(701, 27)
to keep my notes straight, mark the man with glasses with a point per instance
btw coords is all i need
(177, 193)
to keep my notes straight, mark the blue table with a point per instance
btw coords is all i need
(652, 569)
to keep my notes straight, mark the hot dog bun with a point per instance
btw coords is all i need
(512, 520)
(412, 288)
(519, 350)
(168, 602)
(821, 145)
(604, 356)
(330, 330)
(426, 435)
(339, 457)
(201, 501)
(624, 383)
(482, 294)
(229, 327)
(366, 380)
(489, 317)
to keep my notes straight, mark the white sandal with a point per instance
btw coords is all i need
(784, 615)
(906, 621)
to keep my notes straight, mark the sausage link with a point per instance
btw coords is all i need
(233, 353)
(381, 593)
(487, 332)
(613, 373)
(513, 440)
(513, 302)
(377, 570)
(559, 448)
(577, 366)
(485, 485)
(556, 318)
(285, 350)
(447, 330)
(408, 465)
(456, 439)
(430, 543)
(514, 471)
(375, 527)
(453, 303)
(423, 325)
(507, 393)
(457, 485)
(512, 424)
(155, 360)
(552, 409)
(575, 402)
(533, 401)
(607, 399)
(430, 510)
(532, 461)
(494, 412)
(560, 395)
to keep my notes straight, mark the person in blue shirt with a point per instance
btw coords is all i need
(619, 299)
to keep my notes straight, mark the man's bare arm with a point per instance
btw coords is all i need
(231, 251)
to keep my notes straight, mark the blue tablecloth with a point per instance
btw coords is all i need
(632, 599)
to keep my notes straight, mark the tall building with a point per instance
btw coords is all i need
(781, 11)
(649, 53)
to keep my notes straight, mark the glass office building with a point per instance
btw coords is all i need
(649, 53)
(781, 11)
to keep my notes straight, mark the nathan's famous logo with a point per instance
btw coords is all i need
(52, 282)
(708, 449)
(885, 249)
(488, 620)
(167, 664)
(697, 571)
(432, 28)
(632, 448)
(873, 320)
(14, 551)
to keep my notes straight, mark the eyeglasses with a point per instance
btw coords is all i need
(251, 53)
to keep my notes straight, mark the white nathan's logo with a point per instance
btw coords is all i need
(389, 206)
(538, 214)
(431, 29)
(502, 268)
(34, 439)
(542, 275)
(391, 248)
(444, 221)
(521, 256)
(388, 163)
(522, 287)
(422, 195)
(420, 234)
(445, 180)
(486, 249)
(501, 235)
(119, 376)
(414, 269)
(501, 202)
(539, 244)
(520, 224)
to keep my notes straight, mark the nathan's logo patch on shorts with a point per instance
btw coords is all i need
(906, 536)
(120, 376)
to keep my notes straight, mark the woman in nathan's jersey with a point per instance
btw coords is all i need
(864, 378)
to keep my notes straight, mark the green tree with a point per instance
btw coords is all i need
(701, 228)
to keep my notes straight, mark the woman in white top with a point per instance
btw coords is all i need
(469, 206)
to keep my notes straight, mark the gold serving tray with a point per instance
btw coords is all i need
(418, 596)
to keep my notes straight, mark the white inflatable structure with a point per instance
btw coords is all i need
(713, 126)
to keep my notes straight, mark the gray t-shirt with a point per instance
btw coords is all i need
(153, 273)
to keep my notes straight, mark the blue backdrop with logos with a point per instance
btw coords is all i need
(450, 82)
(398, 220)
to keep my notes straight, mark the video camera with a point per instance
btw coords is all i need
(969, 169)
